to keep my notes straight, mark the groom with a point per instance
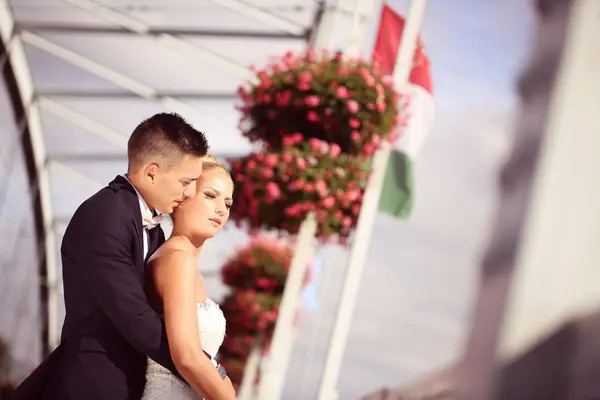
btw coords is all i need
(110, 328)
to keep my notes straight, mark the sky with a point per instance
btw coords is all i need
(412, 312)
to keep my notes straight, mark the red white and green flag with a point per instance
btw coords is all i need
(398, 187)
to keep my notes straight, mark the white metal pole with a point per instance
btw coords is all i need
(362, 16)
(18, 59)
(275, 365)
(272, 377)
(246, 391)
(362, 236)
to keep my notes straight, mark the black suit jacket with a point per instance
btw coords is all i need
(109, 327)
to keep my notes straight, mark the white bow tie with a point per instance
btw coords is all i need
(149, 221)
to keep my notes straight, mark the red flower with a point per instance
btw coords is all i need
(313, 116)
(328, 202)
(342, 92)
(273, 191)
(335, 150)
(271, 160)
(353, 106)
(312, 101)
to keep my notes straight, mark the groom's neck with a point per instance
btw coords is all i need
(138, 182)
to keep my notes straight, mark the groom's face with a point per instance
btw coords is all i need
(173, 185)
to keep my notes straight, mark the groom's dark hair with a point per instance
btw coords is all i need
(167, 136)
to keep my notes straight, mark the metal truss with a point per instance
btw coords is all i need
(116, 94)
(26, 107)
(246, 34)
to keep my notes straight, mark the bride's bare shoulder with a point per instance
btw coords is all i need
(176, 250)
(173, 264)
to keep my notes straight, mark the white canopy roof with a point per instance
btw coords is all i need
(90, 70)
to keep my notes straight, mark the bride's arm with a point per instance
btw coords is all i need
(175, 276)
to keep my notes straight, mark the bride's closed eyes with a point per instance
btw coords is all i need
(213, 194)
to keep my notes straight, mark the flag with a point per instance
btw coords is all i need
(309, 298)
(398, 186)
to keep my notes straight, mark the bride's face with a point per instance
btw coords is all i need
(204, 215)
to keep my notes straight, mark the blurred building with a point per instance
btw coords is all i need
(437, 385)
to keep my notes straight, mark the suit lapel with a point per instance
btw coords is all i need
(124, 189)
(155, 235)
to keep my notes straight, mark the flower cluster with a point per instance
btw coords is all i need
(319, 119)
(277, 189)
(262, 266)
(343, 101)
(256, 275)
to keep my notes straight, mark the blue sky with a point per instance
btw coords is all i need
(476, 48)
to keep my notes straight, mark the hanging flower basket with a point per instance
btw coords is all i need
(251, 310)
(327, 97)
(256, 274)
(277, 190)
(263, 267)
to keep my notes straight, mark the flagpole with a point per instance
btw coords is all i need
(275, 365)
(362, 14)
(362, 235)
(246, 391)
(272, 377)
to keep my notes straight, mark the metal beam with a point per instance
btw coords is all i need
(140, 89)
(176, 43)
(75, 117)
(60, 226)
(74, 176)
(234, 34)
(89, 158)
(20, 83)
(115, 94)
(262, 16)
(114, 157)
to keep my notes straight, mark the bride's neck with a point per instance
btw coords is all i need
(198, 243)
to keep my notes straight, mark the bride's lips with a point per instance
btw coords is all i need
(217, 221)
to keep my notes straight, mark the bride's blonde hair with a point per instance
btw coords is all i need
(210, 162)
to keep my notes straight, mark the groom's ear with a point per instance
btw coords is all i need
(151, 170)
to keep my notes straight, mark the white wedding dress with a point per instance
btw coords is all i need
(161, 384)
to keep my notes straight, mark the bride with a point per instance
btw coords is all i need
(194, 323)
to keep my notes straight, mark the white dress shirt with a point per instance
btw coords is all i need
(144, 209)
